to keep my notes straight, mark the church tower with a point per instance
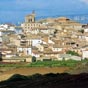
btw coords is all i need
(30, 18)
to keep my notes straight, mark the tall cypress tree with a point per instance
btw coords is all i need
(0, 56)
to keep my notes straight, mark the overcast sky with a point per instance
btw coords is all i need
(13, 9)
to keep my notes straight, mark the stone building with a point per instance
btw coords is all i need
(30, 23)
(30, 18)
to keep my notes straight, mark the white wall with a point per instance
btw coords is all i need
(86, 30)
(1, 39)
(84, 54)
(36, 55)
(36, 42)
(9, 56)
(86, 37)
(50, 41)
(45, 31)
(28, 51)
(57, 49)
(0, 33)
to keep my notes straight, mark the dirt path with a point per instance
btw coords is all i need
(31, 71)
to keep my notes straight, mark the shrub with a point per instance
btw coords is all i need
(72, 53)
(33, 59)
(17, 77)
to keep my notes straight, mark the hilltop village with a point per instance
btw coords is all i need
(46, 39)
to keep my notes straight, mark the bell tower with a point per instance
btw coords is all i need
(30, 18)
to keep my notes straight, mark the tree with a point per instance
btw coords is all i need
(0, 56)
(33, 59)
(55, 31)
(72, 53)
(82, 31)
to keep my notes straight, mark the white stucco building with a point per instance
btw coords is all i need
(84, 54)
(26, 50)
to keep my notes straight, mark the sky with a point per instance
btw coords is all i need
(15, 10)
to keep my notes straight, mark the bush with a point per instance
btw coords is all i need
(17, 77)
(72, 53)
(33, 59)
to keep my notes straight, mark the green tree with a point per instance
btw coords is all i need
(33, 59)
(82, 31)
(0, 56)
(72, 53)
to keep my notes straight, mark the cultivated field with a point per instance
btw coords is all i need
(32, 70)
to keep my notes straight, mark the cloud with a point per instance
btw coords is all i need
(84, 1)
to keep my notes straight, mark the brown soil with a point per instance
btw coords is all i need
(31, 71)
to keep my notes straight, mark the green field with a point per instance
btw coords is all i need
(69, 63)
(17, 65)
